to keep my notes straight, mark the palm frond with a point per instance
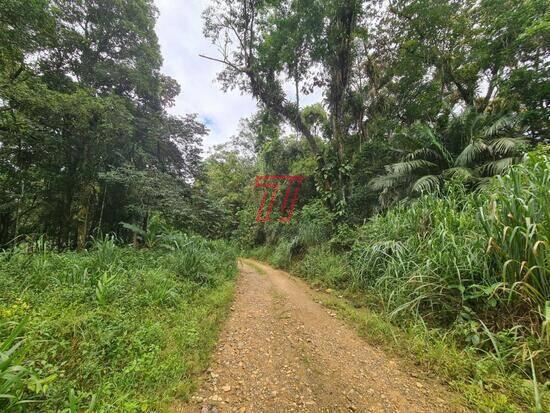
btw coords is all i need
(471, 153)
(444, 153)
(409, 167)
(506, 146)
(501, 125)
(423, 153)
(384, 182)
(464, 125)
(427, 184)
(498, 167)
(461, 172)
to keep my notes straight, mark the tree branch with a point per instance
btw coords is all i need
(227, 63)
(490, 90)
(274, 101)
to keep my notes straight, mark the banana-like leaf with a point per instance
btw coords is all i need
(134, 228)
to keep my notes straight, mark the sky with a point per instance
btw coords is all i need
(179, 28)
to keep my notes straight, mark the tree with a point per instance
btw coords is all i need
(82, 96)
(228, 181)
(264, 42)
(490, 145)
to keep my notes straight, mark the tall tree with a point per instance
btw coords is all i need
(265, 42)
(82, 95)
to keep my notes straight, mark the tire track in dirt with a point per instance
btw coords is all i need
(280, 351)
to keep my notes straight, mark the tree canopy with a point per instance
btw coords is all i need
(389, 73)
(85, 136)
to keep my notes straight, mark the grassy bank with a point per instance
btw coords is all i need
(112, 329)
(461, 282)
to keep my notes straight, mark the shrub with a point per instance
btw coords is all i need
(343, 239)
(282, 255)
(314, 223)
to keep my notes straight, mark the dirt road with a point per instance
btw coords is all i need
(280, 351)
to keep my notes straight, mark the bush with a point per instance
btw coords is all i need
(343, 239)
(282, 254)
(314, 223)
(324, 268)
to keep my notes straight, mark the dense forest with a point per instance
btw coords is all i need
(426, 198)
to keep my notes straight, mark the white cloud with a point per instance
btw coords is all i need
(179, 29)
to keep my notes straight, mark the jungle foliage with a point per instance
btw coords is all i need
(469, 270)
(424, 143)
(422, 104)
(85, 138)
(414, 92)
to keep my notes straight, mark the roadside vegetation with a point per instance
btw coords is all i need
(420, 126)
(466, 277)
(109, 329)
(426, 200)
(91, 322)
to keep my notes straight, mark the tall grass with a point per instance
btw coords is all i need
(517, 223)
(111, 328)
(425, 259)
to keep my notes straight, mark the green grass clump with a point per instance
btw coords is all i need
(110, 329)
(324, 268)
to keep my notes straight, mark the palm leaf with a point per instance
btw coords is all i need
(505, 146)
(423, 153)
(408, 167)
(501, 125)
(471, 153)
(427, 184)
(459, 171)
(498, 167)
(436, 142)
(384, 182)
